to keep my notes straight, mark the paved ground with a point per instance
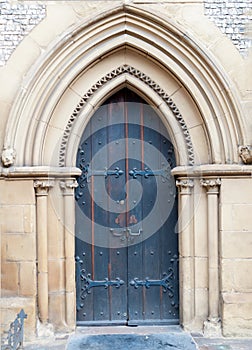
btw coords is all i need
(223, 343)
(138, 338)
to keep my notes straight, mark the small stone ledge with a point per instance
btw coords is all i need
(39, 171)
(214, 170)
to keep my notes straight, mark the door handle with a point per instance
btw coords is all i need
(125, 233)
(134, 233)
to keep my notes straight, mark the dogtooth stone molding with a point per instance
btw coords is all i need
(148, 81)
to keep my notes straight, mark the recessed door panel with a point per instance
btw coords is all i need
(126, 217)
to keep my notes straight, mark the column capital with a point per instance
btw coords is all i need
(68, 185)
(42, 186)
(185, 185)
(211, 185)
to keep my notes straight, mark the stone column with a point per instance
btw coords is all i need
(186, 261)
(42, 188)
(67, 186)
(212, 326)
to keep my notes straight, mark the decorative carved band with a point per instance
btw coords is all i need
(148, 81)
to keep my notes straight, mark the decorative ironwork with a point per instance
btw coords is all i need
(164, 173)
(164, 282)
(87, 283)
(148, 81)
(16, 333)
(88, 172)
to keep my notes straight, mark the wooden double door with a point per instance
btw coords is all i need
(126, 217)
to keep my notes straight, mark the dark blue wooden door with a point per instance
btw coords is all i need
(126, 217)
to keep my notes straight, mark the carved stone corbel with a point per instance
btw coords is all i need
(245, 152)
(8, 156)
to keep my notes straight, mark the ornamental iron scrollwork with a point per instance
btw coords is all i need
(87, 283)
(88, 172)
(164, 173)
(164, 282)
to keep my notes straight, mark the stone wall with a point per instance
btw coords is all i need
(235, 253)
(18, 252)
(17, 20)
(234, 18)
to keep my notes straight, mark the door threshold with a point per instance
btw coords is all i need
(124, 329)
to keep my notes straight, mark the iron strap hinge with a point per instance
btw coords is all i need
(88, 172)
(147, 283)
(164, 173)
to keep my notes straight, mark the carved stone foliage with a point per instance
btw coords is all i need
(185, 185)
(42, 186)
(211, 185)
(245, 152)
(68, 186)
(148, 81)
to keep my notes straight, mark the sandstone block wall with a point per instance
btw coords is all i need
(18, 252)
(235, 256)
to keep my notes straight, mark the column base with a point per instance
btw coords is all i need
(212, 328)
(45, 330)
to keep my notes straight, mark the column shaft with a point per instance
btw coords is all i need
(186, 261)
(41, 188)
(67, 187)
(212, 325)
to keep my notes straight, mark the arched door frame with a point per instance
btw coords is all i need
(74, 55)
(178, 131)
(127, 76)
(32, 129)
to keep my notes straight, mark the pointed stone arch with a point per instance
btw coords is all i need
(134, 29)
(126, 70)
(154, 56)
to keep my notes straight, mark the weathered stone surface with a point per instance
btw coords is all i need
(169, 341)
